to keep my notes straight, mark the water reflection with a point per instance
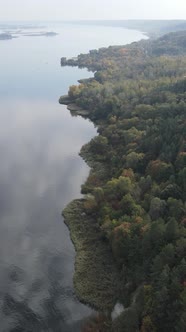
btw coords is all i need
(40, 172)
(39, 175)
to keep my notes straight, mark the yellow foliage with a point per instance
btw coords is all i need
(147, 325)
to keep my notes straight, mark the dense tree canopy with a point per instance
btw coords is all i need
(138, 101)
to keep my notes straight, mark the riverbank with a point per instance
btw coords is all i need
(96, 278)
(135, 194)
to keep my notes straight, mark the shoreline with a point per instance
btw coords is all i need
(95, 277)
(113, 226)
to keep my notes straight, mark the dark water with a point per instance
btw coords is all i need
(40, 172)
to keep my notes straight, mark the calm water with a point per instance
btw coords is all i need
(40, 172)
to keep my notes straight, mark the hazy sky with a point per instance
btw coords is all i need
(91, 9)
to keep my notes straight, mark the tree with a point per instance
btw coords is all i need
(157, 208)
(160, 170)
(172, 230)
(147, 325)
(133, 159)
(98, 194)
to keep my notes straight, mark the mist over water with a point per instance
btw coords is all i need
(40, 173)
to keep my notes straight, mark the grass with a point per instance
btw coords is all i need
(96, 278)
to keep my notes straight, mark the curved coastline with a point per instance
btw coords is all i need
(124, 102)
(96, 277)
(98, 282)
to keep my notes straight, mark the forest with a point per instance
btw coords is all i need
(154, 28)
(137, 195)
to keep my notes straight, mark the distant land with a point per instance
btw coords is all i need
(5, 36)
(10, 31)
(38, 34)
(15, 26)
(154, 28)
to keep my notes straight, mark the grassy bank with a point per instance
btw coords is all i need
(96, 278)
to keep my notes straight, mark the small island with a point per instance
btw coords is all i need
(5, 36)
(41, 34)
(11, 31)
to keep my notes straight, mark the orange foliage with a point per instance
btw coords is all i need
(183, 222)
(123, 51)
(181, 160)
(144, 229)
(128, 173)
(124, 228)
(159, 169)
(138, 220)
(90, 204)
(93, 180)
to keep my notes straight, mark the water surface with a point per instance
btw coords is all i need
(40, 172)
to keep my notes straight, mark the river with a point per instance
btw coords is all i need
(40, 172)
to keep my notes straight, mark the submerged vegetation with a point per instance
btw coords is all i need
(136, 191)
